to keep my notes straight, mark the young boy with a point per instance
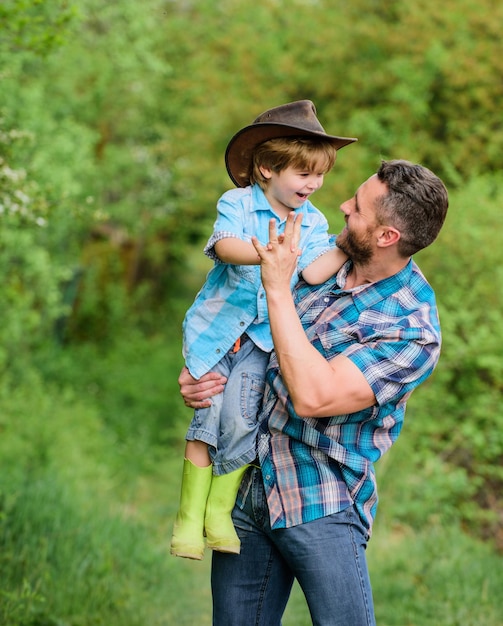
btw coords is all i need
(276, 163)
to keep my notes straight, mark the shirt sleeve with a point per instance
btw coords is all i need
(394, 365)
(315, 240)
(229, 223)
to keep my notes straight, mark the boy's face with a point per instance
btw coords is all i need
(288, 190)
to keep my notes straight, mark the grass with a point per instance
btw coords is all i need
(439, 577)
(90, 467)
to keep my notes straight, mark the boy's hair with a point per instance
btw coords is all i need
(300, 153)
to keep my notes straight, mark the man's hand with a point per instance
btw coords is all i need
(278, 258)
(197, 393)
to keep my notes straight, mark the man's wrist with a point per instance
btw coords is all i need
(278, 294)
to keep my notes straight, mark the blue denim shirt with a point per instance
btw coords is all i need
(232, 300)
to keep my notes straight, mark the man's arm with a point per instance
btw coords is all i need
(317, 387)
(197, 393)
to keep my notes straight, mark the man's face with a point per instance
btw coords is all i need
(358, 239)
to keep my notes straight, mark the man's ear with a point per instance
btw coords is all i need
(388, 236)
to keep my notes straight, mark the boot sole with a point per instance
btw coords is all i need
(188, 555)
(226, 549)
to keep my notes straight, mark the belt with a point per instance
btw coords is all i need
(239, 342)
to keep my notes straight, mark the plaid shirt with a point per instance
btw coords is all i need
(313, 467)
(232, 300)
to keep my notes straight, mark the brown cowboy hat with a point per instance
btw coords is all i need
(295, 119)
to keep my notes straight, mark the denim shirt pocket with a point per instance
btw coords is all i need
(249, 273)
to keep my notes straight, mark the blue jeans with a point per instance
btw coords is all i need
(326, 556)
(229, 426)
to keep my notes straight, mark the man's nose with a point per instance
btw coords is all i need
(345, 207)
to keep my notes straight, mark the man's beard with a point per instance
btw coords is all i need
(358, 249)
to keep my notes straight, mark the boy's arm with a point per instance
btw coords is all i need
(324, 266)
(236, 251)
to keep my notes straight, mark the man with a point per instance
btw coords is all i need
(347, 355)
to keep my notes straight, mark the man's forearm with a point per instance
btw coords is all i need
(317, 387)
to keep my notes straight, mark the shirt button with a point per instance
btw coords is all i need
(268, 477)
(326, 299)
(241, 323)
(217, 350)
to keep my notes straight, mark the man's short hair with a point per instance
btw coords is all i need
(416, 204)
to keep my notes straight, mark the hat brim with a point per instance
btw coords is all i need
(240, 148)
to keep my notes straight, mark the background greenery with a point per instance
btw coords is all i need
(113, 122)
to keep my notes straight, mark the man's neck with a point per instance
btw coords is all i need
(372, 272)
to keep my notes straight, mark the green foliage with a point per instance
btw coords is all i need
(130, 121)
(114, 118)
(434, 577)
(465, 268)
(132, 118)
(30, 300)
(134, 382)
(83, 511)
(424, 577)
(87, 505)
(35, 25)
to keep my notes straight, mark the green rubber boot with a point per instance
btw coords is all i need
(220, 532)
(188, 537)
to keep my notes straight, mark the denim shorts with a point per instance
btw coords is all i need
(229, 426)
